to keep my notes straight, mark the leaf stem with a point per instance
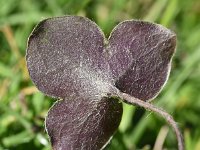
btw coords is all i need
(131, 100)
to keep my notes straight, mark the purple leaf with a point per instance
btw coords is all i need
(64, 55)
(82, 123)
(65, 59)
(140, 57)
(68, 58)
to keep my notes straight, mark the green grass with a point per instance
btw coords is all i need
(23, 108)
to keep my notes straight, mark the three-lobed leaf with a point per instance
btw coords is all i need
(69, 58)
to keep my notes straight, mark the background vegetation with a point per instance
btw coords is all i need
(23, 108)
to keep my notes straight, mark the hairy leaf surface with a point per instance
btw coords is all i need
(69, 58)
(83, 124)
(65, 55)
(141, 55)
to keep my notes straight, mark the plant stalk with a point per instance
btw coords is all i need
(131, 100)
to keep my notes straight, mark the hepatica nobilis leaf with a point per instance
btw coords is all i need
(140, 54)
(70, 59)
